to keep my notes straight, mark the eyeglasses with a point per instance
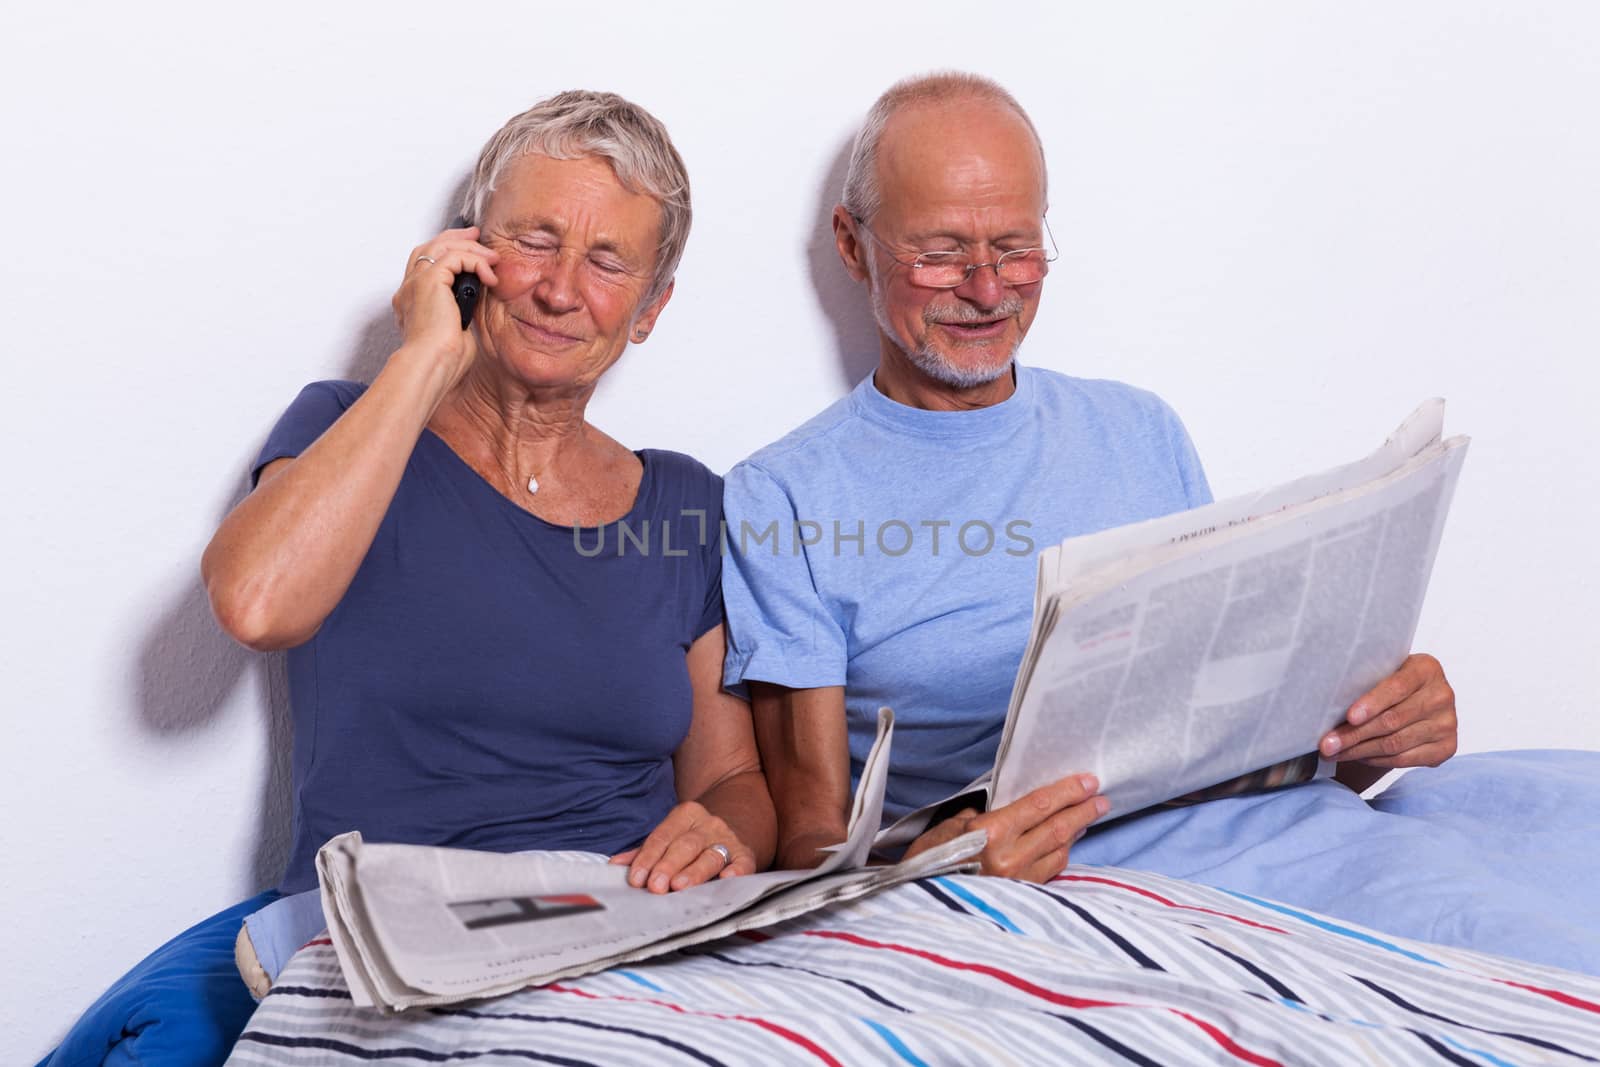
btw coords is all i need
(947, 270)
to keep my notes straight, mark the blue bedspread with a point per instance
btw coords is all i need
(1498, 852)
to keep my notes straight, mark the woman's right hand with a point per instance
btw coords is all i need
(690, 846)
(425, 307)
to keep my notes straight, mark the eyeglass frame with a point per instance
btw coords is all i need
(1052, 254)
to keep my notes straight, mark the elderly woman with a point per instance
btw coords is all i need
(466, 667)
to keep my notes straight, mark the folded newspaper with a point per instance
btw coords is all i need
(415, 926)
(1172, 655)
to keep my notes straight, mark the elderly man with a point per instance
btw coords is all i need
(918, 500)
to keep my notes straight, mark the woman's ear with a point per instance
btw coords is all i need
(647, 318)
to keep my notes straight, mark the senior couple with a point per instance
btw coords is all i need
(460, 676)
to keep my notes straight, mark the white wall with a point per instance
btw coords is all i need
(1293, 221)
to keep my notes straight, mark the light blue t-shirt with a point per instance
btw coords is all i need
(892, 550)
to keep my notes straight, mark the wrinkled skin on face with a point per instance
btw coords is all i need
(576, 252)
(955, 175)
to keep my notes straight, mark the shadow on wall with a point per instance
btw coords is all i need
(377, 339)
(381, 334)
(188, 668)
(842, 299)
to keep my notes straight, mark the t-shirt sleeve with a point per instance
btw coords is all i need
(711, 613)
(318, 406)
(1190, 472)
(779, 629)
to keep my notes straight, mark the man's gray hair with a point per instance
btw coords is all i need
(580, 124)
(862, 192)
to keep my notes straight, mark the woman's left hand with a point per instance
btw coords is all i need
(679, 853)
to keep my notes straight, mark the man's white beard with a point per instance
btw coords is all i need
(931, 362)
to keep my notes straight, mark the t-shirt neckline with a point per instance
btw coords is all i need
(995, 419)
(641, 495)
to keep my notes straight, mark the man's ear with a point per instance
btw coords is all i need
(647, 318)
(852, 249)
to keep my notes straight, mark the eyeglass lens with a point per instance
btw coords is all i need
(947, 270)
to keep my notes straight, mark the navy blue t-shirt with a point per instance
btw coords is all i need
(494, 681)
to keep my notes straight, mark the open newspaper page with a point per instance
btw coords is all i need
(1172, 655)
(1062, 566)
(416, 926)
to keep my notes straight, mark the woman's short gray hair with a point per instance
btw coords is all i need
(862, 193)
(579, 124)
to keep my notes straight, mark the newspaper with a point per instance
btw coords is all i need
(416, 926)
(1172, 655)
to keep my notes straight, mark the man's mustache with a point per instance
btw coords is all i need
(1008, 308)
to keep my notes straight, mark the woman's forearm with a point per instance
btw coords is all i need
(742, 801)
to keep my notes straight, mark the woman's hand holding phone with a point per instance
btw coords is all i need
(432, 315)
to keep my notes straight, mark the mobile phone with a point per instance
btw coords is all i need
(466, 287)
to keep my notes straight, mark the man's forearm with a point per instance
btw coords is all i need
(1357, 775)
(804, 849)
(805, 749)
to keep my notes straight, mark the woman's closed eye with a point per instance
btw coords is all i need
(600, 263)
(535, 246)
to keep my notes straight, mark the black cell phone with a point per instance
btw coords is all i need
(467, 287)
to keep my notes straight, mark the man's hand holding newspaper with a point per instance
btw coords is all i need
(1406, 720)
(1215, 650)
(1030, 838)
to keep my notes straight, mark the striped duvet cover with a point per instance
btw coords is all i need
(1103, 965)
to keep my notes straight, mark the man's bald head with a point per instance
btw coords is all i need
(947, 165)
(863, 183)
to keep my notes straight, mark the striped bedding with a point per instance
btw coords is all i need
(1103, 965)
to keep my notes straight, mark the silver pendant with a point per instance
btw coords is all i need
(533, 484)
